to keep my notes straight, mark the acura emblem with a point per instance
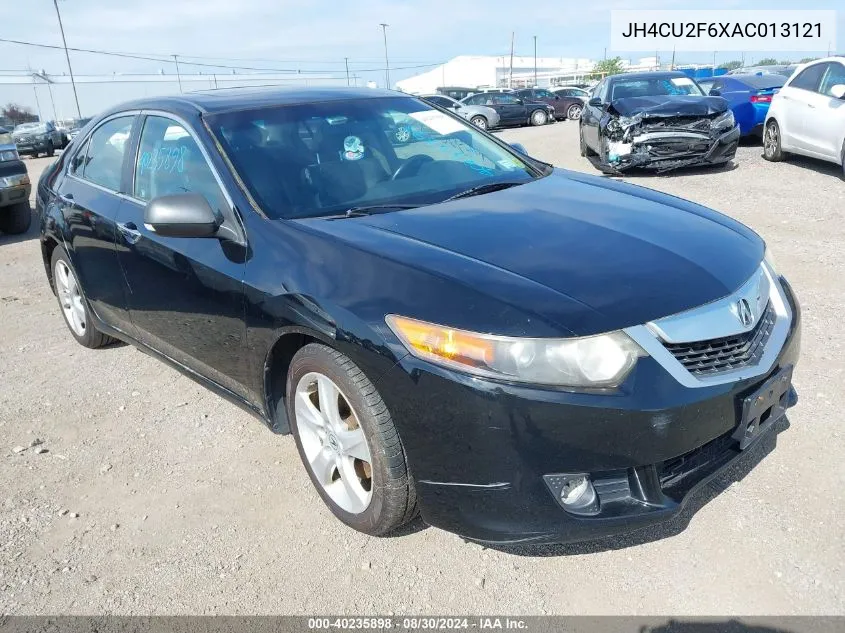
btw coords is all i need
(743, 312)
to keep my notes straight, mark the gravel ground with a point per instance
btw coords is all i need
(138, 492)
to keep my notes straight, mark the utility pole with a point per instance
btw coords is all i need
(346, 61)
(386, 61)
(672, 67)
(178, 76)
(714, 62)
(510, 77)
(67, 56)
(37, 102)
(535, 61)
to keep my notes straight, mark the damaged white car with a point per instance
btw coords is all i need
(659, 120)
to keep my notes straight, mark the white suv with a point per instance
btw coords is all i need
(807, 116)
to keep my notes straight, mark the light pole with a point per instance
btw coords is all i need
(178, 74)
(386, 61)
(67, 56)
(346, 59)
(535, 61)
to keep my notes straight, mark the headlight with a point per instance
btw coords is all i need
(8, 154)
(591, 361)
(726, 119)
(14, 181)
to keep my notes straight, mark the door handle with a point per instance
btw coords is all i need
(129, 231)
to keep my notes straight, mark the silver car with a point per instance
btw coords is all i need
(480, 116)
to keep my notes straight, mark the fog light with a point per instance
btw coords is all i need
(577, 492)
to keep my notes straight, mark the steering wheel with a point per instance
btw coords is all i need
(411, 166)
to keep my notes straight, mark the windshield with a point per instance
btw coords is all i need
(31, 127)
(320, 159)
(657, 86)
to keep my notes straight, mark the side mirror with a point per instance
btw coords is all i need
(838, 91)
(520, 101)
(557, 97)
(595, 102)
(715, 92)
(182, 215)
(457, 106)
(519, 147)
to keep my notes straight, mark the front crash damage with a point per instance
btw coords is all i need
(666, 133)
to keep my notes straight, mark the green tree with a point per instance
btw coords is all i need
(785, 62)
(731, 65)
(605, 67)
(767, 61)
(804, 60)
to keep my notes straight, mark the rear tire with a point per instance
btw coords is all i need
(50, 149)
(772, 150)
(574, 112)
(16, 219)
(539, 117)
(75, 309)
(379, 495)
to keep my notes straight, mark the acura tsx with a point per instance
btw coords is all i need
(446, 326)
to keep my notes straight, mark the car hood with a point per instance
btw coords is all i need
(614, 254)
(667, 106)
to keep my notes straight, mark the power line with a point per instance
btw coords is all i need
(163, 60)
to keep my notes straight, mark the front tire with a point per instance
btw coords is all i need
(772, 150)
(538, 117)
(74, 305)
(479, 122)
(50, 150)
(348, 442)
(16, 219)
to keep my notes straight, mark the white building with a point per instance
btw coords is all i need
(477, 71)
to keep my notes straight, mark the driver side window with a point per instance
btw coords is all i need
(170, 162)
(835, 75)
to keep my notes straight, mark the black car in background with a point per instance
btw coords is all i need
(517, 352)
(566, 106)
(657, 120)
(38, 137)
(513, 110)
(456, 92)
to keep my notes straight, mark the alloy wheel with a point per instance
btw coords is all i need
(480, 122)
(770, 142)
(333, 442)
(403, 134)
(574, 112)
(70, 298)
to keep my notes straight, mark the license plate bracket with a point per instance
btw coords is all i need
(762, 408)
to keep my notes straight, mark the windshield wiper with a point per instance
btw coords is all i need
(477, 191)
(376, 208)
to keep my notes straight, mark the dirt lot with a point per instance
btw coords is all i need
(155, 496)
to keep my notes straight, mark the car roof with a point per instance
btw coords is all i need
(657, 74)
(228, 99)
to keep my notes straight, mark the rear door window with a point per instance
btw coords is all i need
(809, 78)
(106, 150)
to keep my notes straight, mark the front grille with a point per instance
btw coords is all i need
(717, 355)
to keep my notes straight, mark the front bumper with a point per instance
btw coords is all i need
(33, 147)
(668, 153)
(479, 450)
(14, 195)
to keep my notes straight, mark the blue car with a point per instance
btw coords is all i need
(749, 97)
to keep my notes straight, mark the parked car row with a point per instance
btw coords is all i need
(666, 120)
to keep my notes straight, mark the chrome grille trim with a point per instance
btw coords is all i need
(653, 336)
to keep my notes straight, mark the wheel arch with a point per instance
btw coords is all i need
(276, 364)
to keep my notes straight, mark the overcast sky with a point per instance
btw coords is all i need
(310, 34)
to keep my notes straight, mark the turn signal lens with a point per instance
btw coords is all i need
(592, 361)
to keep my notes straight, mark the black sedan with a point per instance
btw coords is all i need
(512, 109)
(446, 326)
(658, 120)
(566, 106)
